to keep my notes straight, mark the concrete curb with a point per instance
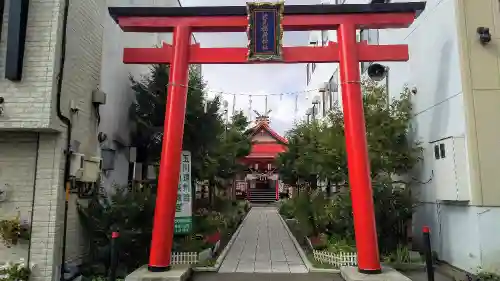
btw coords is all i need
(310, 267)
(223, 255)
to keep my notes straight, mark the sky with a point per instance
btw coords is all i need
(246, 80)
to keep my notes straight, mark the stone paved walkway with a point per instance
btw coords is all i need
(263, 245)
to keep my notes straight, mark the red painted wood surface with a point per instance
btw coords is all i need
(326, 54)
(290, 22)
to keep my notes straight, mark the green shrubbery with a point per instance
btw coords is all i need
(317, 154)
(329, 222)
(131, 213)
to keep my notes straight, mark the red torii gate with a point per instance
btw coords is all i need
(346, 18)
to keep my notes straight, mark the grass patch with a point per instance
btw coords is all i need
(207, 263)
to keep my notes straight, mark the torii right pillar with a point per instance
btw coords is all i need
(357, 152)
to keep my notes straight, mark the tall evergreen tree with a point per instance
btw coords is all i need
(214, 145)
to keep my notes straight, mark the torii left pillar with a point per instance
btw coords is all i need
(168, 179)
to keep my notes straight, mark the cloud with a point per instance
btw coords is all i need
(247, 81)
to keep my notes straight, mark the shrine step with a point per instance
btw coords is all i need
(262, 195)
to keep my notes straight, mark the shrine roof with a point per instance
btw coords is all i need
(265, 126)
(266, 150)
(208, 11)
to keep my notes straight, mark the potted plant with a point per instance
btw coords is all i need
(17, 271)
(10, 231)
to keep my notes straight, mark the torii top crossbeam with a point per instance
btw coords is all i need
(296, 18)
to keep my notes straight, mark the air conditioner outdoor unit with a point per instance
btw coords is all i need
(76, 165)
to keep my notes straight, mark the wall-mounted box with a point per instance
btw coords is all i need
(98, 97)
(451, 179)
(76, 165)
(91, 169)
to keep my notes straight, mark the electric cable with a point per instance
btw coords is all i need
(219, 92)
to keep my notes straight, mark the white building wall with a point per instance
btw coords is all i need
(463, 235)
(115, 122)
(28, 103)
(17, 159)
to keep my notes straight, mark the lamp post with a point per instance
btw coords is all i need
(316, 101)
(226, 115)
(309, 112)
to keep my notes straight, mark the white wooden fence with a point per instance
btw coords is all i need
(336, 259)
(184, 258)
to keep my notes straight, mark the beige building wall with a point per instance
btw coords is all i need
(480, 66)
(32, 138)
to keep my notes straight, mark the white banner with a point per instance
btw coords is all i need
(183, 213)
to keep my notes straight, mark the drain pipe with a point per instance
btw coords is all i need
(67, 121)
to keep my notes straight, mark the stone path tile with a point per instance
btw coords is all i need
(263, 245)
(269, 276)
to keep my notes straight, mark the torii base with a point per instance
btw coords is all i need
(177, 273)
(351, 273)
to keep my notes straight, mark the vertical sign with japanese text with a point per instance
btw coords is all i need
(183, 217)
(265, 31)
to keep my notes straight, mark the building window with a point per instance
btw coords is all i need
(442, 150)
(439, 151)
(436, 152)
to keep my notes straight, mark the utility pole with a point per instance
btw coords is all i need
(265, 110)
(234, 103)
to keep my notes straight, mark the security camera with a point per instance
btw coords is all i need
(377, 72)
(2, 100)
(484, 34)
(3, 192)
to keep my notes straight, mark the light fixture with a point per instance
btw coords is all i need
(324, 88)
(484, 34)
(2, 100)
(316, 100)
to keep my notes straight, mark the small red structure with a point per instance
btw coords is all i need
(263, 180)
(346, 19)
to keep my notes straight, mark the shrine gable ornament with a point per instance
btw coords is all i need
(265, 31)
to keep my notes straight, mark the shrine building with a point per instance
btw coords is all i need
(261, 183)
